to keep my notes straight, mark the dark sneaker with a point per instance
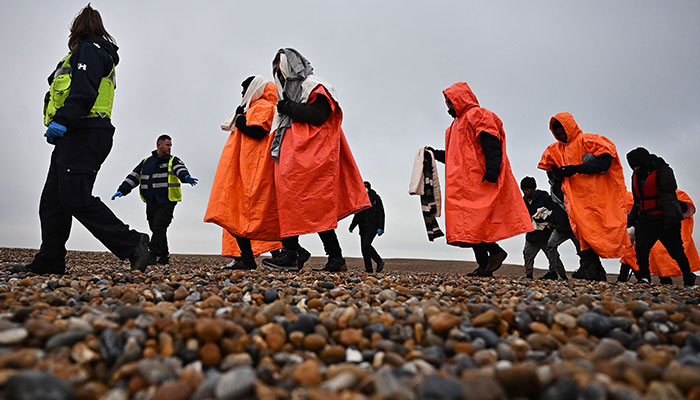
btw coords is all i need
(479, 272)
(334, 265)
(140, 257)
(665, 280)
(368, 270)
(529, 276)
(496, 261)
(600, 274)
(689, 281)
(586, 271)
(33, 268)
(549, 276)
(380, 267)
(286, 260)
(163, 260)
(152, 259)
(644, 281)
(239, 264)
(302, 257)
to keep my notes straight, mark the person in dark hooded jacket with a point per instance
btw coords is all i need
(539, 205)
(77, 111)
(371, 223)
(657, 213)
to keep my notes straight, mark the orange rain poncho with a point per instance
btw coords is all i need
(242, 199)
(317, 180)
(660, 262)
(477, 211)
(595, 202)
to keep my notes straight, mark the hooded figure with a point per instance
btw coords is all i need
(317, 180)
(589, 169)
(660, 262)
(242, 199)
(657, 213)
(482, 198)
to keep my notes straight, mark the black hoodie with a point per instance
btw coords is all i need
(665, 183)
(96, 58)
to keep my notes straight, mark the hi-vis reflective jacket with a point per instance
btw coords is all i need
(61, 87)
(158, 180)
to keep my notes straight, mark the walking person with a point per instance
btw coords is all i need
(242, 199)
(371, 223)
(561, 233)
(77, 112)
(316, 178)
(158, 178)
(539, 205)
(588, 168)
(482, 199)
(657, 213)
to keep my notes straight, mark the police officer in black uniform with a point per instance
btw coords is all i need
(77, 112)
(371, 223)
(158, 177)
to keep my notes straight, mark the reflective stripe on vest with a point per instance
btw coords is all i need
(649, 199)
(173, 183)
(60, 89)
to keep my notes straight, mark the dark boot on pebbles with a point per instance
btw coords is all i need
(549, 276)
(141, 256)
(496, 261)
(239, 264)
(336, 264)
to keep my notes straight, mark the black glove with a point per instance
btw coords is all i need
(490, 176)
(430, 149)
(570, 170)
(283, 105)
(240, 110)
(241, 121)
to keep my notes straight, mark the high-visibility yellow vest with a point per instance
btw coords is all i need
(174, 191)
(60, 89)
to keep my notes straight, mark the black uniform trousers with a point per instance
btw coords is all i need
(67, 193)
(648, 231)
(482, 252)
(368, 251)
(159, 216)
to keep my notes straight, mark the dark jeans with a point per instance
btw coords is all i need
(648, 232)
(530, 252)
(67, 193)
(368, 251)
(482, 252)
(159, 216)
(329, 239)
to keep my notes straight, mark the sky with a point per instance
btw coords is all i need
(628, 70)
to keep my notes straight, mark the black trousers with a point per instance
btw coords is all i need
(67, 193)
(330, 243)
(482, 251)
(159, 216)
(246, 248)
(651, 230)
(368, 251)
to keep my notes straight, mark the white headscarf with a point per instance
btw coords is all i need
(253, 92)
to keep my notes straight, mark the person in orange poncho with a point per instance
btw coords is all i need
(594, 192)
(482, 198)
(657, 213)
(242, 199)
(316, 178)
(660, 262)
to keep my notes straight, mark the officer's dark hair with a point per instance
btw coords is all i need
(163, 137)
(87, 25)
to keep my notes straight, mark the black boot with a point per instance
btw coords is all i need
(141, 256)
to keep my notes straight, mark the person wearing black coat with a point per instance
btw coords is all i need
(371, 223)
(537, 201)
(657, 213)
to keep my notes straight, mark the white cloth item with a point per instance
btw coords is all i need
(417, 184)
(255, 90)
(542, 213)
(632, 234)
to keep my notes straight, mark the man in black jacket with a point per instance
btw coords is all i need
(158, 177)
(371, 223)
(539, 205)
(656, 214)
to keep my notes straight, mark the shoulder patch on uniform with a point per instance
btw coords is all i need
(82, 66)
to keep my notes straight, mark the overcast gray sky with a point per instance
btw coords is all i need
(625, 69)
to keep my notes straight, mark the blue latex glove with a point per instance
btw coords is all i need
(118, 194)
(54, 131)
(191, 180)
(380, 232)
